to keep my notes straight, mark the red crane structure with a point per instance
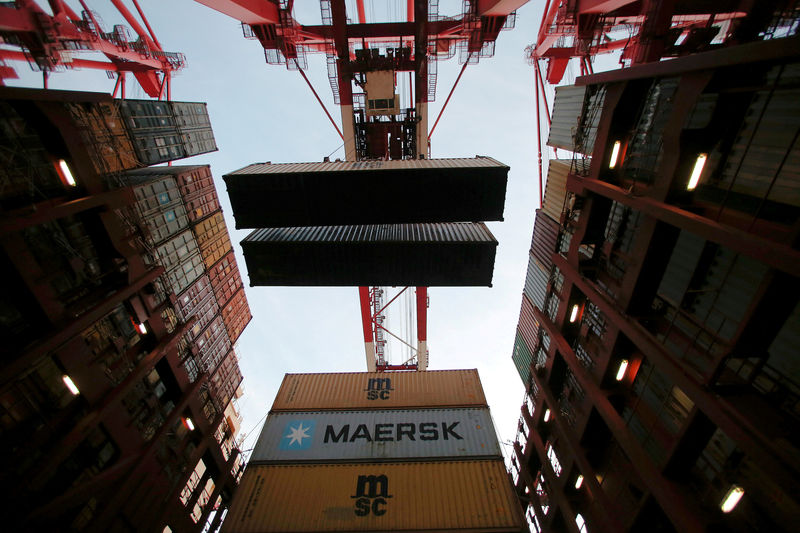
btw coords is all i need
(50, 42)
(364, 62)
(641, 31)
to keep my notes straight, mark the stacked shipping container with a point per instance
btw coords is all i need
(315, 227)
(165, 131)
(377, 452)
(184, 224)
(542, 274)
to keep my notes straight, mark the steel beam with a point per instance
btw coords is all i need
(247, 11)
(498, 8)
(669, 496)
(422, 328)
(771, 50)
(774, 254)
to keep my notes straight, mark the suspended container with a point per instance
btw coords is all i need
(379, 390)
(427, 496)
(451, 254)
(367, 192)
(376, 435)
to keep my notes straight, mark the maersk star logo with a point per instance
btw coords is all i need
(298, 435)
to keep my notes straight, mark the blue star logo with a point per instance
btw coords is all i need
(298, 435)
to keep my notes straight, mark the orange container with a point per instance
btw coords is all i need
(437, 496)
(364, 390)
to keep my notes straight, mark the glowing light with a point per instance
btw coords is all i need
(698, 169)
(70, 385)
(142, 328)
(623, 366)
(579, 481)
(67, 172)
(574, 314)
(731, 498)
(188, 422)
(614, 154)
(546, 415)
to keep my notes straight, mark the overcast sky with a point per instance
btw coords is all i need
(261, 112)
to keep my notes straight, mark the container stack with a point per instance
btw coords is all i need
(531, 342)
(165, 131)
(356, 223)
(377, 452)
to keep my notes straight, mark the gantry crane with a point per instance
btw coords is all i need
(52, 42)
(364, 62)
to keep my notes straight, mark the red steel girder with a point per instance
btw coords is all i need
(498, 8)
(382, 30)
(247, 11)
(422, 314)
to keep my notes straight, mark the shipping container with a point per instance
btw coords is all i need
(555, 190)
(569, 104)
(377, 390)
(181, 258)
(368, 192)
(102, 129)
(226, 378)
(158, 206)
(212, 345)
(158, 134)
(452, 254)
(536, 282)
(522, 358)
(236, 314)
(528, 325)
(346, 436)
(225, 278)
(199, 194)
(428, 496)
(197, 301)
(545, 237)
(208, 230)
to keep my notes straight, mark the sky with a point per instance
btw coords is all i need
(262, 112)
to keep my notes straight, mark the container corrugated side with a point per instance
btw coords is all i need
(376, 390)
(536, 282)
(528, 325)
(405, 233)
(350, 166)
(376, 435)
(522, 358)
(429, 496)
(567, 108)
(555, 190)
(545, 237)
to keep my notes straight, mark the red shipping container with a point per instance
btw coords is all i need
(236, 314)
(225, 278)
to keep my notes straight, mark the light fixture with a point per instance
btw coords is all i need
(66, 172)
(614, 154)
(579, 481)
(623, 366)
(70, 385)
(546, 415)
(188, 423)
(142, 328)
(696, 171)
(730, 500)
(574, 314)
